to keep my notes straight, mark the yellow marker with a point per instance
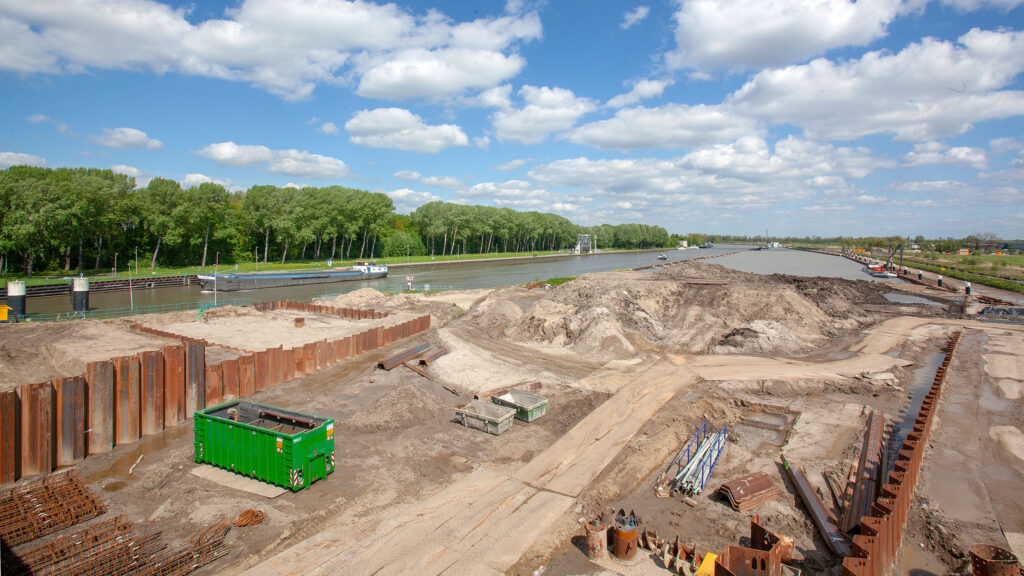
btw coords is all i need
(3, 312)
(707, 566)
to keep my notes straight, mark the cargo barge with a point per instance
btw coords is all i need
(256, 280)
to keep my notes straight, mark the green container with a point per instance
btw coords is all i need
(480, 415)
(283, 447)
(528, 406)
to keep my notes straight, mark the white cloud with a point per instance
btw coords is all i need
(400, 129)
(191, 180)
(482, 142)
(513, 164)
(141, 178)
(670, 126)
(38, 118)
(286, 162)
(126, 138)
(518, 194)
(641, 90)
(446, 182)
(287, 47)
(295, 185)
(939, 153)
(547, 110)
(970, 5)
(407, 200)
(407, 175)
(774, 33)
(8, 159)
(328, 128)
(633, 16)
(1001, 146)
(929, 90)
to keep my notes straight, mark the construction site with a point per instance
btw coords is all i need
(684, 419)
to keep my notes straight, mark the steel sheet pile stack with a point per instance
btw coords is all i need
(749, 492)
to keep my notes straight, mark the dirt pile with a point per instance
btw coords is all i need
(691, 307)
(401, 408)
(442, 306)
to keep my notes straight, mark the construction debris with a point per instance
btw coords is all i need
(750, 491)
(250, 517)
(44, 506)
(988, 560)
(410, 366)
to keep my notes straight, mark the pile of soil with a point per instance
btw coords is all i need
(442, 306)
(691, 307)
(403, 407)
(36, 353)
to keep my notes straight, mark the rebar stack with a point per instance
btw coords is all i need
(44, 506)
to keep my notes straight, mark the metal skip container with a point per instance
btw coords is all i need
(283, 447)
(528, 406)
(490, 418)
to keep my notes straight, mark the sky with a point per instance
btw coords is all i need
(799, 117)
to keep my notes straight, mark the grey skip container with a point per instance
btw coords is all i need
(528, 406)
(480, 415)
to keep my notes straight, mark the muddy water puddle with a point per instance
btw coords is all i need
(910, 299)
(764, 430)
(917, 390)
(115, 476)
(916, 561)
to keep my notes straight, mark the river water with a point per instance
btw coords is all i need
(481, 275)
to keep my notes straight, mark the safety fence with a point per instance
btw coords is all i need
(100, 314)
(876, 548)
(60, 422)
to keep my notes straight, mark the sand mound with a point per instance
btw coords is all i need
(400, 408)
(694, 307)
(230, 312)
(362, 298)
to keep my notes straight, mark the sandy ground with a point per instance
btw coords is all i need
(632, 363)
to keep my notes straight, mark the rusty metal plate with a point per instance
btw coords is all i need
(246, 376)
(152, 387)
(298, 362)
(10, 436)
(287, 364)
(750, 491)
(37, 429)
(99, 378)
(309, 355)
(261, 370)
(174, 385)
(195, 376)
(127, 400)
(70, 419)
(229, 379)
(214, 393)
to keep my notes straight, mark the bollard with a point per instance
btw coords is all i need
(16, 298)
(80, 294)
(919, 275)
(967, 288)
(940, 280)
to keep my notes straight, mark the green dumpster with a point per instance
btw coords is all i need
(283, 447)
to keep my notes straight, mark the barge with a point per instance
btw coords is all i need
(255, 280)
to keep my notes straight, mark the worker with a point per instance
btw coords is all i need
(967, 288)
(940, 280)
(3, 313)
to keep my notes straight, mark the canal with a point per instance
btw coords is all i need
(479, 275)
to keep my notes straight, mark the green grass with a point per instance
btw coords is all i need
(560, 280)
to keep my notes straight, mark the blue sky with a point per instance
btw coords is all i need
(805, 117)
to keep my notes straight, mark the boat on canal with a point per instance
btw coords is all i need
(662, 256)
(255, 280)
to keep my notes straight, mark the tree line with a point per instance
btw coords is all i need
(79, 219)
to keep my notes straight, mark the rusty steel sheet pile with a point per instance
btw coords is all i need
(988, 560)
(869, 473)
(750, 491)
(822, 517)
(45, 505)
(402, 357)
(876, 548)
(60, 422)
(70, 420)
